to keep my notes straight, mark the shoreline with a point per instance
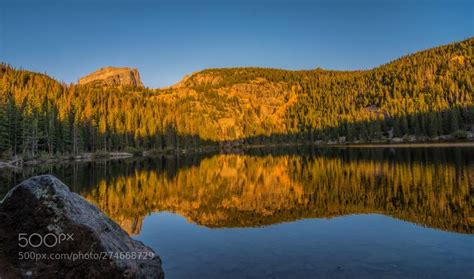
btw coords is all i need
(409, 144)
(464, 143)
(19, 163)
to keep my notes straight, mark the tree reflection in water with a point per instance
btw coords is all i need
(428, 187)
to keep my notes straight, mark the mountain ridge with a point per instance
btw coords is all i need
(421, 96)
(317, 69)
(192, 75)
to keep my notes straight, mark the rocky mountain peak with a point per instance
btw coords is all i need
(113, 76)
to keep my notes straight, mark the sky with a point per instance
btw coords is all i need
(167, 40)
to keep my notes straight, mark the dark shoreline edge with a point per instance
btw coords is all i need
(88, 157)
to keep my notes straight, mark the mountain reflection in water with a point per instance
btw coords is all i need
(430, 187)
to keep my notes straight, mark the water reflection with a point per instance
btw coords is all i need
(431, 187)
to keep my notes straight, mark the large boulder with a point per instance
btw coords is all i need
(46, 231)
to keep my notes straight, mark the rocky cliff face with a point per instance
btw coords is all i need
(112, 76)
(46, 231)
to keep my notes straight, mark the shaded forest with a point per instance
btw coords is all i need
(427, 95)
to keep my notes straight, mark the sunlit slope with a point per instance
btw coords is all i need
(428, 93)
(259, 101)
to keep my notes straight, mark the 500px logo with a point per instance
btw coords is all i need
(48, 240)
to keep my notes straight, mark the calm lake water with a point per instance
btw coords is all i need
(291, 213)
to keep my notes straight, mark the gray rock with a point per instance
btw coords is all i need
(43, 205)
(396, 140)
(446, 137)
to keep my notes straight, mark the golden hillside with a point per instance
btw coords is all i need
(424, 95)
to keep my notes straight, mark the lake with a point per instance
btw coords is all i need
(299, 212)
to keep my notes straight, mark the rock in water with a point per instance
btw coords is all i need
(112, 77)
(46, 231)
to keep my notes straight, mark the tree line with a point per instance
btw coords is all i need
(423, 95)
